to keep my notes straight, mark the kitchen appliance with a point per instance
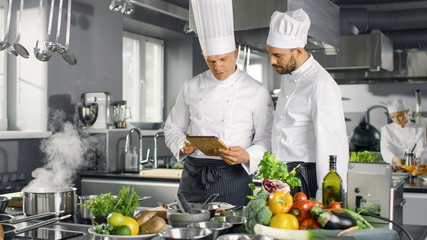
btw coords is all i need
(105, 149)
(120, 112)
(371, 187)
(103, 99)
(365, 136)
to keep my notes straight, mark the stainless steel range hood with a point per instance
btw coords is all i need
(252, 21)
(372, 52)
(324, 16)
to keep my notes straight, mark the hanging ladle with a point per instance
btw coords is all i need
(58, 27)
(41, 54)
(63, 49)
(50, 45)
(4, 45)
(19, 48)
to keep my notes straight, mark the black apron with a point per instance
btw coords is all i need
(307, 174)
(203, 177)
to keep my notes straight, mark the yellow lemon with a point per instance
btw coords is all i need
(132, 224)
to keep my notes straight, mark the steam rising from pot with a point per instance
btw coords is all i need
(64, 152)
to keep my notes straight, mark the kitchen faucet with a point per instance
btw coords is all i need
(141, 161)
(158, 134)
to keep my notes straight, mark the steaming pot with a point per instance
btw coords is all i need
(51, 199)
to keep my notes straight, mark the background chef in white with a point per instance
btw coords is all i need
(224, 102)
(309, 121)
(401, 135)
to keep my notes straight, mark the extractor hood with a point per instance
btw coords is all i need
(373, 52)
(252, 21)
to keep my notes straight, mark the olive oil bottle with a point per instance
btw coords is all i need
(332, 184)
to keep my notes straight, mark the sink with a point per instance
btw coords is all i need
(161, 173)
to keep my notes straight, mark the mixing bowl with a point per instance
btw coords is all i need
(88, 113)
(176, 218)
(187, 233)
(241, 236)
(217, 228)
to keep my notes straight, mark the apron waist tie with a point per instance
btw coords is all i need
(204, 169)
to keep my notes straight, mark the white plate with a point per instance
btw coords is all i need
(114, 237)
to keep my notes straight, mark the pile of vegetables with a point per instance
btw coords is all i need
(284, 211)
(104, 204)
(364, 156)
(275, 175)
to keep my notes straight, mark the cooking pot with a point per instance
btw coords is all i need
(84, 212)
(50, 199)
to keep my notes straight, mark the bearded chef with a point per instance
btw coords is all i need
(309, 121)
(401, 135)
(224, 102)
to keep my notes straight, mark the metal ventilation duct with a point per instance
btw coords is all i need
(373, 52)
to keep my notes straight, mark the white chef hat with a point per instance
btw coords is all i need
(288, 30)
(396, 105)
(214, 24)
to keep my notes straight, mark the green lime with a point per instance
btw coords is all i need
(123, 230)
(116, 219)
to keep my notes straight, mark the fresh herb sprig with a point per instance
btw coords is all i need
(271, 168)
(364, 156)
(104, 204)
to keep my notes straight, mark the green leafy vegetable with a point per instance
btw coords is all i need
(271, 168)
(104, 204)
(364, 156)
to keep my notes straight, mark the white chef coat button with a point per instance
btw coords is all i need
(228, 101)
(287, 96)
(202, 99)
(203, 118)
(295, 80)
(281, 116)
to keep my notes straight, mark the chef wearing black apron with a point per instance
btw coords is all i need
(224, 102)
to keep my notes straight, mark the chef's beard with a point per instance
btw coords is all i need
(288, 68)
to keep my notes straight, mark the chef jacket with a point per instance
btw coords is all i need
(238, 110)
(395, 140)
(309, 121)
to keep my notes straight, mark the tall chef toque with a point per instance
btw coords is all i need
(214, 24)
(288, 30)
(396, 105)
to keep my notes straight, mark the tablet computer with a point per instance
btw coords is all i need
(207, 144)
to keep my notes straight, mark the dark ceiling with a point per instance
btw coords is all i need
(403, 21)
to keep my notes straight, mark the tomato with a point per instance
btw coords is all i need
(335, 205)
(300, 196)
(301, 209)
(284, 221)
(115, 219)
(122, 230)
(316, 203)
(309, 223)
(132, 224)
(280, 202)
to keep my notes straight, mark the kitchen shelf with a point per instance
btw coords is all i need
(24, 134)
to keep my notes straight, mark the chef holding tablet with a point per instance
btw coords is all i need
(224, 102)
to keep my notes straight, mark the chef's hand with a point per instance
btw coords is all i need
(188, 148)
(397, 161)
(235, 155)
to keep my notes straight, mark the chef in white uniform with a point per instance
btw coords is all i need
(224, 102)
(401, 135)
(309, 121)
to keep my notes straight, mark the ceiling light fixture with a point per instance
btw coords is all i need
(116, 5)
(128, 8)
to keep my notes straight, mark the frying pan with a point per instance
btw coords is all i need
(11, 230)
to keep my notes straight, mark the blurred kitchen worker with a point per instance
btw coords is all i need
(224, 102)
(309, 120)
(401, 135)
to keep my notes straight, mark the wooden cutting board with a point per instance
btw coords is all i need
(161, 173)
